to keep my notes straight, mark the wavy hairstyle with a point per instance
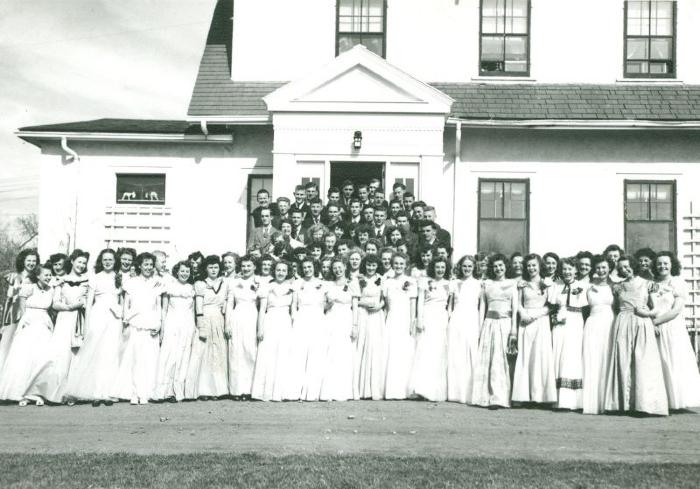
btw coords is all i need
(77, 253)
(540, 263)
(338, 259)
(22, 256)
(493, 259)
(675, 263)
(98, 263)
(435, 261)
(458, 267)
(176, 269)
(142, 258)
(309, 259)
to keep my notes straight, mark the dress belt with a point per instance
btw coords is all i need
(574, 309)
(498, 315)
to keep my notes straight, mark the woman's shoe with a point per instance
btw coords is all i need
(23, 403)
(39, 402)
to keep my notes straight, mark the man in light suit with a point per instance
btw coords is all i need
(261, 236)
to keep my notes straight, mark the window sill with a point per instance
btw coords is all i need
(645, 81)
(504, 79)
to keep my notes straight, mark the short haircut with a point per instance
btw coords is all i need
(346, 183)
(363, 185)
(296, 210)
(333, 190)
(379, 208)
(262, 191)
(398, 185)
(395, 201)
(309, 185)
(613, 247)
(427, 223)
(379, 190)
(284, 199)
(315, 200)
(298, 188)
(428, 208)
(408, 195)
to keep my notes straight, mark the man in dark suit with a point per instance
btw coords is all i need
(442, 235)
(300, 200)
(314, 214)
(378, 199)
(298, 229)
(283, 206)
(332, 215)
(261, 236)
(263, 198)
(428, 231)
(379, 227)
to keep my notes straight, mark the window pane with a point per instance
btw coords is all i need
(141, 189)
(637, 67)
(638, 18)
(505, 237)
(638, 49)
(493, 8)
(517, 25)
(514, 197)
(662, 27)
(518, 8)
(660, 68)
(660, 48)
(637, 211)
(654, 235)
(346, 7)
(492, 48)
(346, 42)
(490, 25)
(516, 48)
(661, 192)
(488, 200)
(374, 44)
(661, 18)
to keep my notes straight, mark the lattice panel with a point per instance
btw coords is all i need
(690, 261)
(145, 228)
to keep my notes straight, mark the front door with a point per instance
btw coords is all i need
(357, 172)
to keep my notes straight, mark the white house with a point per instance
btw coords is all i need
(529, 124)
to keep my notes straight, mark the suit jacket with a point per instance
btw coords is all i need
(309, 220)
(259, 239)
(300, 233)
(256, 214)
(277, 220)
(304, 208)
(443, 236)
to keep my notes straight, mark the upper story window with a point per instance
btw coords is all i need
(505, 38)
(361, 22)
(650, 35)
(139, 188)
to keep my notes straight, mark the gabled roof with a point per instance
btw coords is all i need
(133, 126)
(216, 95)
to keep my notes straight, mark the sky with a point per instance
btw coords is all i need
(72, 60)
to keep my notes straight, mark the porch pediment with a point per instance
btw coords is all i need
(359, 81)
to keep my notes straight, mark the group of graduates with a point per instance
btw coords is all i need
(359, 299)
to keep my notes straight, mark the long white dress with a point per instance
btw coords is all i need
(176, 347)
(401, 344)
(241, 320)
(139, 363)
(429, 375)
(370, 353)
(207, 373)
(677, 356)
(309, 341)
(492, 374)
(30, 346)
(635, 377)
(597, 346)
(51, 382)
(534, 380)
(463, 339)
(96, 364)
(337, 384)
(567, 340)
(15, 281)
(270, 378)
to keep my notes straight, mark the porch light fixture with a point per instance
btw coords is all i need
(357, 140)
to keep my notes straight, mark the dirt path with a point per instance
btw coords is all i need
(395, 428)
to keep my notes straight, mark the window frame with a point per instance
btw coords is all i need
(674, 37)
(523, 74)
(674, 209)
(526, 182)
(338, 33)
(140, 202)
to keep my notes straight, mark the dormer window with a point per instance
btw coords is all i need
(361, 22)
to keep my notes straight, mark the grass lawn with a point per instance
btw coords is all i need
(201, 471)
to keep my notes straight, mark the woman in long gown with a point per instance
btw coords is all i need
(32, 338)
(96, 364)
(533, 380)
(309, 334)
(178, 332)
(70, 300)
(597, 337)
(635, 377)
(370, 354)
(26, 265)
(498, 336)
(207, 373)
(274, 336)
(143, 319)
(241, 319)
(567, 337)
(677, 356)
(463, 331)
(342, 297)
(400, 294)
(429, 376)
